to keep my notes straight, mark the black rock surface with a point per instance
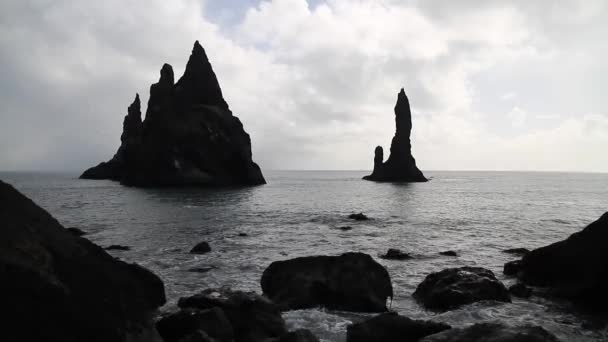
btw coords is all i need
(59, 287)
(391, 327)
(400, 165)
(189, 135)
(454, 287)
(349, 282)
(493, 332)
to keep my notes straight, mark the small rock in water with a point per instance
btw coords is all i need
(201, 269)
(517, 251)
(243, 234)
(201, 248)
(391, 327)
(454, 287)
(395, 254)
(118, 248)
(520, 290)
(345, 228)
(512, 268)
(493, 332)
(358, 217)
(76, 231)
(449, 253)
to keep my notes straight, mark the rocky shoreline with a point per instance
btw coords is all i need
(123, 304)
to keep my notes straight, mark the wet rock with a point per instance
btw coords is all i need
(395, 254)
(449, 253)
(400, 165)
(301, 335)
(117, 248)
(179, 325)
(198, 336)
(76, 231)
(358, 217)
(350, 282)
(253, 317)
(493, 332)
(201, 248)
(517, 251)
(189, 135)
(575, 268)
(243, 234)
(201, 269)
(520, 290)
(59, 287)
(390, 327)
(345, 228)
(512, 268)
(454, 287)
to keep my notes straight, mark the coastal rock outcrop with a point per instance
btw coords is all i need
(350, 282)
(60, 287)
(575, 268)
(493, 332)
(454, 287)
(189, 135)
(391, 327)
(252, 317)
(400, 165)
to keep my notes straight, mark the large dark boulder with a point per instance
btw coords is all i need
(400, 165)
(189, 135)
(59, 287)
(454, 287)
(300, 335)
(575, 268)
(176, 326)
(493, 332)
(350, 282)
(390, 327)
(252, 317)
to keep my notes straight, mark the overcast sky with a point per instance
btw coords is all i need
(494, 85)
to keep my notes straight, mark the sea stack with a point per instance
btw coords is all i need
(189, 135)
(400, 165)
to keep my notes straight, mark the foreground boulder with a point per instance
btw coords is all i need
(213, 322)
(454, 287)
(493, 332)
(189, 135)
(252, 317)
(390, 327)
(59, 287)
(350, 282)
(400, 165)
(576, 268)
(300, 335)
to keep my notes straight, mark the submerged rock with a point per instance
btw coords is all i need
(454, 287)
(213, 322)
(493, 332)
(517, 251)
(252, 317)
(449, 253)
(59, 287)
(575, 268)
(117, 248)
(201, 248)
(395, 254)
(189, 135)
(400, 165)
(350, 282)
(358, 217)
(390, 327)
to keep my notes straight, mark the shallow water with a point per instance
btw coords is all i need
(477, 214)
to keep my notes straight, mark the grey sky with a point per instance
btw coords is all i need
(494, 85)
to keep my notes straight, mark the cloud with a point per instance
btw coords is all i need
(315, 83)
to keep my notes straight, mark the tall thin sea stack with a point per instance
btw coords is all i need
(189, 135)
(400, 165)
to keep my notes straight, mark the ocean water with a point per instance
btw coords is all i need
(477, 214)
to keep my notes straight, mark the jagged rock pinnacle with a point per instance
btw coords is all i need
(401, 165)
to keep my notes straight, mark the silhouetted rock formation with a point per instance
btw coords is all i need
(390, 327)
(454, 287)
(189, 135)
(493, 332)
(349, 282)
(401, 165)
(60, 287)
(576, 268)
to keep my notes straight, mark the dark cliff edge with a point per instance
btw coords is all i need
(60, 287)
(189, 135)
(400, 165)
